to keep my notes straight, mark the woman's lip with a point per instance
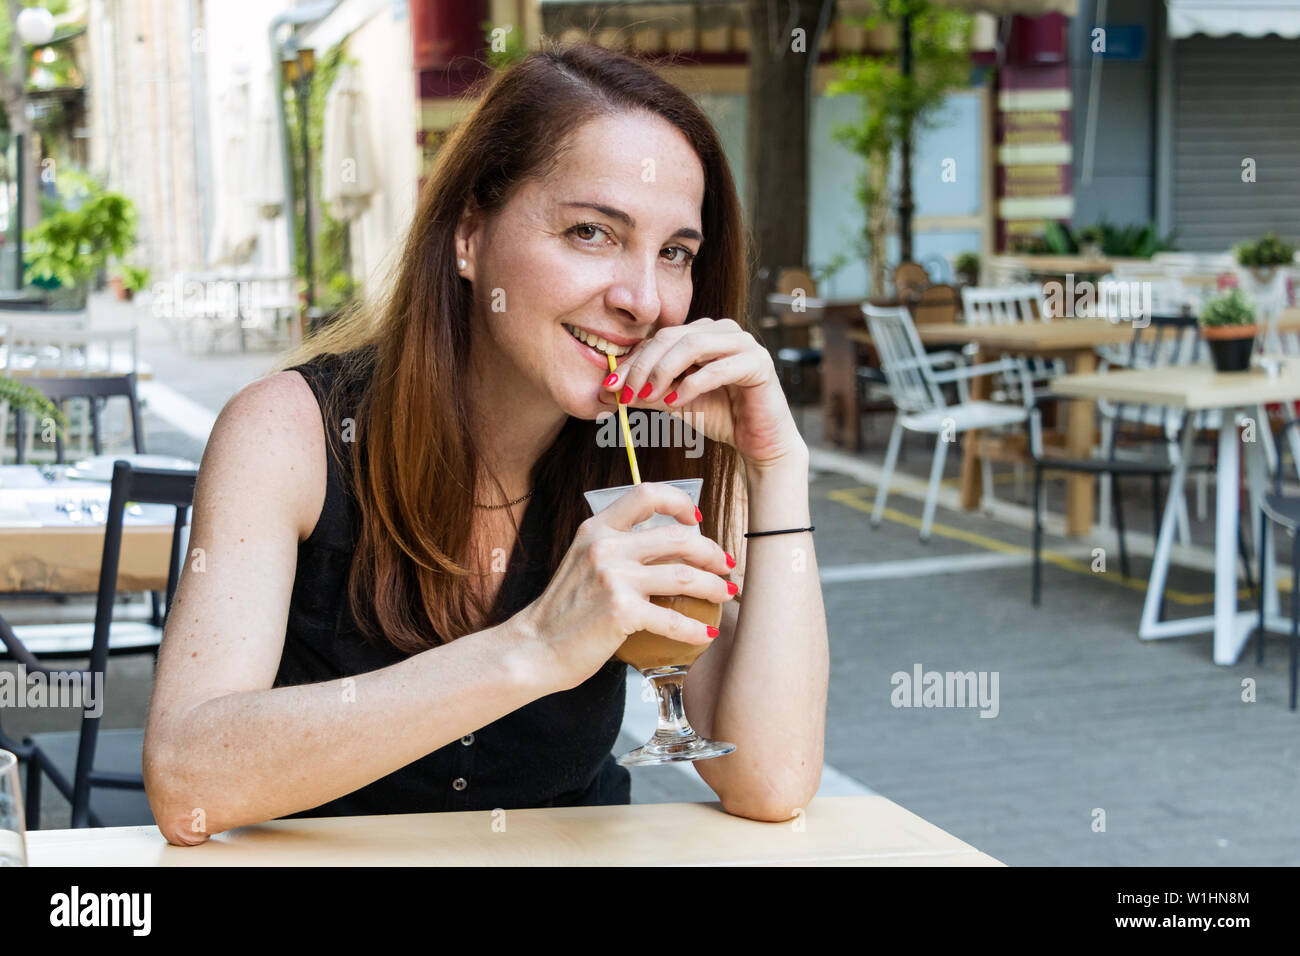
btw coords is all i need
(611, 339)
(597, 359)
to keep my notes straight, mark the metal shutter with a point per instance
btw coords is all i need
(1235, 97)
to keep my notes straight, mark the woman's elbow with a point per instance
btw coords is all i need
(769, 804)
(179, 821)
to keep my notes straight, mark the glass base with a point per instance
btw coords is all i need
(674, 739)
(671, 750)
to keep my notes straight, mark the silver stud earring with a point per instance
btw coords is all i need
(461, 264)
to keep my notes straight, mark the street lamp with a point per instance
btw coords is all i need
(298, 65)
(36, 26)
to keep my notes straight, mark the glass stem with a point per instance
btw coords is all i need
(667, 683)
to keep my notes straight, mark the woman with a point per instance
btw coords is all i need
(400, 601)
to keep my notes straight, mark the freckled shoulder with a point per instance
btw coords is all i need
(272, 432)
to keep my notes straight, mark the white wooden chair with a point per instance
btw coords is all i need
(915, 383)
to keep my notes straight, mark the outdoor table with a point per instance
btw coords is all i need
(1073, 340)
(1201, 388)
(43, 550)
(832, 831)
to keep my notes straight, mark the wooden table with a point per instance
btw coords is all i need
(1073, 340)
(834, 831)
(1200, 388)
(40, 556)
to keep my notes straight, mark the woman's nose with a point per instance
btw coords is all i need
(635, 290)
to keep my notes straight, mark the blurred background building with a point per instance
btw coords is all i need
(1075, 111)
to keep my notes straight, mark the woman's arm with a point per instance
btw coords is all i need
(762, 685)
(222, 748)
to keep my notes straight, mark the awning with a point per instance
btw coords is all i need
(1028, 8)
(1251, 18)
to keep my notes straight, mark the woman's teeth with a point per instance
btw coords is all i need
(597, 343)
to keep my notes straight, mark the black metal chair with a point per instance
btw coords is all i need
(79, 762)
(95, 390)
(1172, 340)
(1285, 511)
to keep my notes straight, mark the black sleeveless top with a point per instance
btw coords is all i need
(552, 752)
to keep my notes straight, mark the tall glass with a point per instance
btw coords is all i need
(663, 661)
(13, 848)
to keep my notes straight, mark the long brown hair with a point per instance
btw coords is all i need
(410, 350)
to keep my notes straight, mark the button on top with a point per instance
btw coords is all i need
(460, 783)
(467, 739)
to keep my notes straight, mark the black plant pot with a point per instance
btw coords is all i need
(1232, 355)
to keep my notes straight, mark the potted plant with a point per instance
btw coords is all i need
(68, 248)
(126, 281)
(967, 267)
(1260, 271)
(1228, 325)
(1090, 241)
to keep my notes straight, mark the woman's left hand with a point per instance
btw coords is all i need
(715, 375)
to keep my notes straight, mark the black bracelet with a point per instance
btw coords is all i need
(763, 534)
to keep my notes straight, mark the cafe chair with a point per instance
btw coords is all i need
(1156, 463)
(1168, 339)
(795, 357)
(91, 761)
(1011, 305)
(916, 379)
(1283, 510)
(95, 389)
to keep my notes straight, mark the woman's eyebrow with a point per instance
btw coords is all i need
(684, 232)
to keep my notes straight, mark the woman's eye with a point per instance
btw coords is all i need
(587, 231)
(680, 256)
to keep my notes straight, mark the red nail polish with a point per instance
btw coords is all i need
(698, 517)
(627, 394)
(645, 390)
(731, 562)
(670, 397)
(733, 587)
(610, 379)
(713, 631)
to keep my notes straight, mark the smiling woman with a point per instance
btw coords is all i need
(426, 613)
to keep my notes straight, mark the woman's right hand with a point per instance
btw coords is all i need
(601, 591)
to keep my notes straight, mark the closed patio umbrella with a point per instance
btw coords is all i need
(235, 233)
(348, 173)
(265, 183)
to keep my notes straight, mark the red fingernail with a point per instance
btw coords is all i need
(698, 517)
(610, 379)
(731, 562)
(645, 390)
(670, 398)
(733, 587)
(713, 631)
(627, 394)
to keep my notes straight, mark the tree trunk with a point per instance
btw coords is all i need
(905, 204)
(781, 63)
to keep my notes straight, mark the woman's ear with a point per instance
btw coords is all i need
(467, 236)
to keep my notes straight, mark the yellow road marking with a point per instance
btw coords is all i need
(851, 497)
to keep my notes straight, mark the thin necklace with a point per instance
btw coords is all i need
(508, 504)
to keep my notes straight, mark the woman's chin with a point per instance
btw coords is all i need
(587, 407)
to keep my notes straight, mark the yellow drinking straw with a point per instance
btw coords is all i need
(627, 432)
